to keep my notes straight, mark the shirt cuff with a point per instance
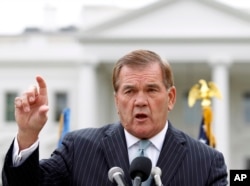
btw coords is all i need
(19, 158)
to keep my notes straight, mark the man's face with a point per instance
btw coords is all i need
(143, 101)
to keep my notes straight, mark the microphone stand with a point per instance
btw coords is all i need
(137, 181)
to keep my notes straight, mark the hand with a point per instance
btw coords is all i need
(31, 113)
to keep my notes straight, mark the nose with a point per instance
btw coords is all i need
(141, 100)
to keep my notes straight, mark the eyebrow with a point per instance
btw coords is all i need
(127, 87)
(152, 85)
(149, 85)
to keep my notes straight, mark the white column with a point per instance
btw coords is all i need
(50, 14)
(87, 96)
(221, 122)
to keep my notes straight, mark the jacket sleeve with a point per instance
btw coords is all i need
(25, 174)
(218, 172)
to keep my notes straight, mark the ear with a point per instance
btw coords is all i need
(171, 98)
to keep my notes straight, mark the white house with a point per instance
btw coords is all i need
(202, 39)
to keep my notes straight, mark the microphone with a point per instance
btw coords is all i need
(116, 175)
(140, 169)
(156, 174)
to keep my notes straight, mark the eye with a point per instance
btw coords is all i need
(152, 90)
(128, 91)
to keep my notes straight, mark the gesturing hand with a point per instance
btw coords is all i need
(31, 113)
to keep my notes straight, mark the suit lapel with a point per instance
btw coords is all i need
(115, 149)
(172, 154)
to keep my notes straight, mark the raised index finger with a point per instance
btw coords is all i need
(42, 85)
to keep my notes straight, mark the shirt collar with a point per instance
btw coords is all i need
(157, 140)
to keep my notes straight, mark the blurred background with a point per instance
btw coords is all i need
(74, 45)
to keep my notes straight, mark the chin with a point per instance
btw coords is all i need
(143, 133)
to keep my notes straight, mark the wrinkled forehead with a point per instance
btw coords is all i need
(149, 70)
(137, 76)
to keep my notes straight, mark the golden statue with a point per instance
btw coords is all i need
(205, 92)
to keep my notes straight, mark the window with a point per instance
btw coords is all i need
(9, 105)
(246, 104)
(61, 102)
(247, 163)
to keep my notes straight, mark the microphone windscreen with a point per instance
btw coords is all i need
(156, 171)
(113, 171)
(141, 166)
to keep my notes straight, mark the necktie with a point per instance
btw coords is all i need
(143, 145)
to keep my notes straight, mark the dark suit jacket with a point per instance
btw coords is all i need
(87, 155)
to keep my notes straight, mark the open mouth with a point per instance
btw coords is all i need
(141, 116)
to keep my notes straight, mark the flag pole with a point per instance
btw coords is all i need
(64, 124)
(204, 92)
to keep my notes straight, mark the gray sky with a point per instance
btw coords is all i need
(15, 15)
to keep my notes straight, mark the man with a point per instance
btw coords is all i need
(144, 94)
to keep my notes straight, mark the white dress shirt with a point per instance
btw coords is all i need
(153, 151)
(19, 158)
